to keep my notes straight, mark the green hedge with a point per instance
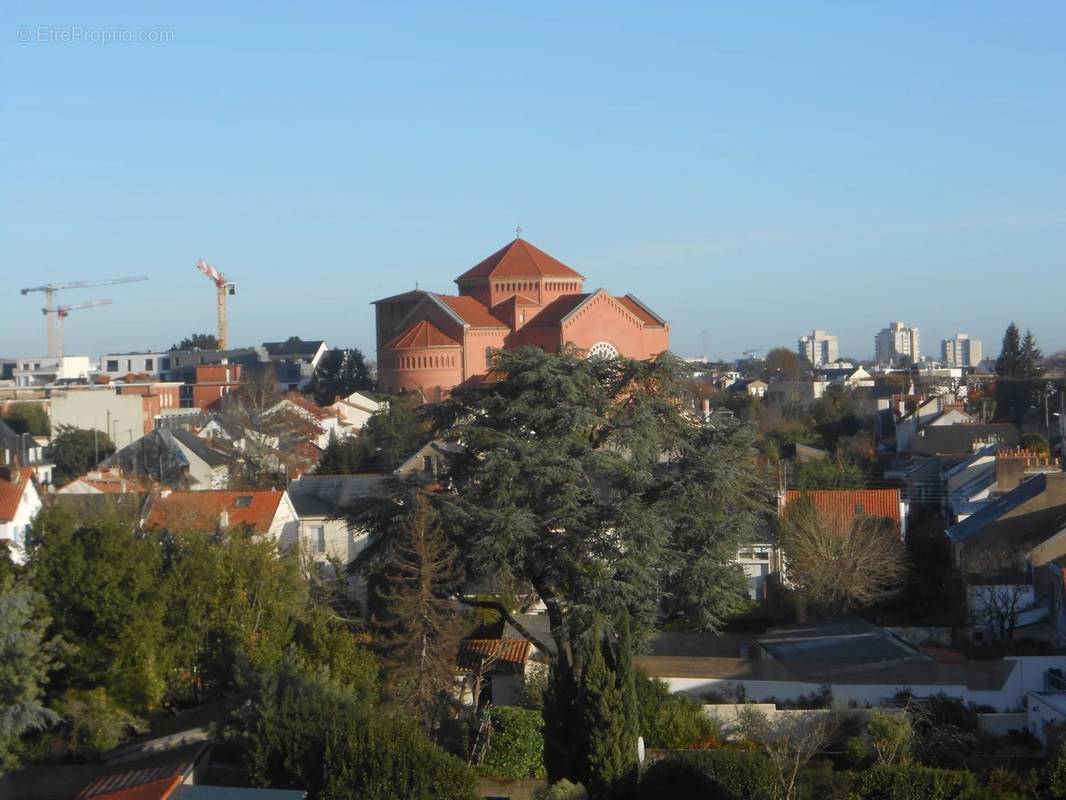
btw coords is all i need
(709, 775)
(516, 749)
(914, 782)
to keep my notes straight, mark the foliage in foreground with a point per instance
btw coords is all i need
(306, 731)
(516, 749)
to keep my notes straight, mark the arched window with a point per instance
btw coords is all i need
(603, 350)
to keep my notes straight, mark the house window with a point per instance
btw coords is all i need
(318, 533)
(149, 364)
(427, 464)
(112, 365)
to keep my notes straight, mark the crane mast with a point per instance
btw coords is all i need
(57, 315)
(53, 318)
(223, 288)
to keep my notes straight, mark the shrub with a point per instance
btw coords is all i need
(93, 722)
(671, 721)
(563, 790)
(711, 774)
(310, 732)
(915, 783)
(516, 749)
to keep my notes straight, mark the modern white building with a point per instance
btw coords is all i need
(48, 370)
(960, 351)
(819, 348)
(119, 365)
(897, 343)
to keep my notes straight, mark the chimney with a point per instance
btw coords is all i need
(223, 520)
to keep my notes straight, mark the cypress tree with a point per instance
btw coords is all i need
(564, 753)
(626, 683)
(604, 725)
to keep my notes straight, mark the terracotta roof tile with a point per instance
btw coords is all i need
(202, 511)
(553, 313)
(519, 259)
(422, 334)
(646, 316)
(11, 491)
(875, 502)
(503, 654)
(470, 311)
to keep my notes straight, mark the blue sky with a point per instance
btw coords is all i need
(752, 171)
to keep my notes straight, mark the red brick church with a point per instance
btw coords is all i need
(517, 296)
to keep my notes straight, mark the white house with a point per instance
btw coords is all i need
(20, 500)
(319, 500)
(358, 407)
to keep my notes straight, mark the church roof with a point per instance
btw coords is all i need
(557, 309)
(647, 316)
(471, 311)
(519, 259)
(422, 334)
(413, 294)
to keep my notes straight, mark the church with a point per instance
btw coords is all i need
(518, 296)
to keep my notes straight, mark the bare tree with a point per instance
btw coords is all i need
(998, 590)
(839, 561)
(420, 629)
(788, 739)
(276, 435)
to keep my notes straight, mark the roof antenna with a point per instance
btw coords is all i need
(416, 286)
(518, 232)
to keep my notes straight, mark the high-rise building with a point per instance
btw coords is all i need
(897, 343)
(961, 351)
(818, 348)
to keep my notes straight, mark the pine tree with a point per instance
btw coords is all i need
(1031, 359)
(1009, 362)
(420, 630)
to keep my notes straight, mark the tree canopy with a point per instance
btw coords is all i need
(783, 364)
(75, 451)
(586, 480)
(338, 374)
(197, 341)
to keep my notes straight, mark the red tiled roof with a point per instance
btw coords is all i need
(11, 492)
(422, 334)
(470, 311)
(553, 313)
(645, 316)
(519, 259)
(875, 502)
(502, 654)
(517, 300)
(202, 511)
(310, 407)
(156, 790)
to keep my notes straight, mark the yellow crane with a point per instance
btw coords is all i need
(224, 288)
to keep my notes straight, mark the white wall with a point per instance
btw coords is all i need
(96, 409)
(15, 530)
(1026, 676)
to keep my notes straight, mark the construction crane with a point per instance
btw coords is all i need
(61, 313)
(52, 319)
(224, 288)
(751, 353)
